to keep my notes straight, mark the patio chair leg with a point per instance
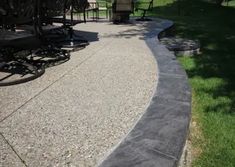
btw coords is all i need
(143, 18)
(84, 16)
(73, 41)
(93, 15)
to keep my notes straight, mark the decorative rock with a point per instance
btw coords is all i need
(181, 46)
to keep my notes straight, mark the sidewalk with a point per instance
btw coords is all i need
(78, 111)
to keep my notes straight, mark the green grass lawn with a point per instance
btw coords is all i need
(211, 74)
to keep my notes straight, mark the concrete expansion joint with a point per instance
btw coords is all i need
(11, 114)
(36, 95)
(12, 148)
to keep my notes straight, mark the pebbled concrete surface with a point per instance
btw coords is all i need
(78, 111)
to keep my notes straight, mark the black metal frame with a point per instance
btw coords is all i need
(74, 40)
(145, 10)
(95, 7)
(65, 36)
(80, 6)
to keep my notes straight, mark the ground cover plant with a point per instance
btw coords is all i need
(211, 74)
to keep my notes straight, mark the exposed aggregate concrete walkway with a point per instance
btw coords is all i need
(78, 111)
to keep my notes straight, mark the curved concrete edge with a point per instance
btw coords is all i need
(158, 138)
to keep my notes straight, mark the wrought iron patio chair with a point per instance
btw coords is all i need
(80, 6)
(104, 5)
(98, 6)
(145, 7)
(75, 40)
(94, 8)
(49, 12)
(48, 53)
(64, 36)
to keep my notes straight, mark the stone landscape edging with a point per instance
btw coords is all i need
(158, 138)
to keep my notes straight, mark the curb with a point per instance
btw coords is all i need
(158, 138)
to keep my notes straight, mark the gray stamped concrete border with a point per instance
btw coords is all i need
(158, 138)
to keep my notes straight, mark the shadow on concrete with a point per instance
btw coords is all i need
(142, 30)
(90, 36)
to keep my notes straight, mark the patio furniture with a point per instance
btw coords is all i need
(96, 7)
(75, 40)
(80, 6)
(54, 11)
(50, 53)
(105, 6)
(144, 7)
(122, 10)
(16, 44)
(49, 12)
